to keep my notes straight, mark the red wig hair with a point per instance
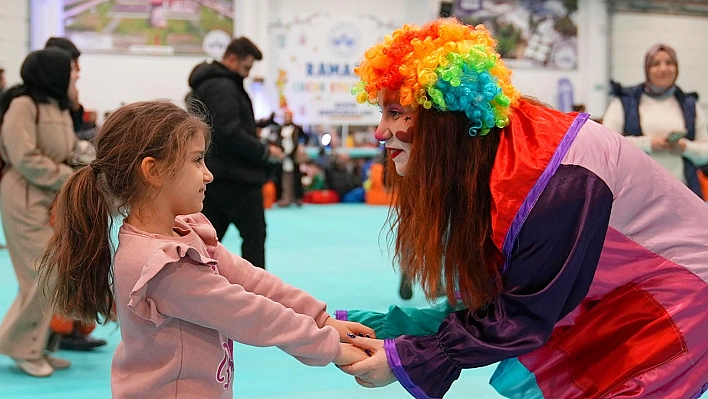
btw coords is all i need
(442, 215)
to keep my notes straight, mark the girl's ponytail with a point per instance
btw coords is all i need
(76, 270)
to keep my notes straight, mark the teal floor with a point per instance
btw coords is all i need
(336, 252)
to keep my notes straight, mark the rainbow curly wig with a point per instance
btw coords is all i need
(444, 64)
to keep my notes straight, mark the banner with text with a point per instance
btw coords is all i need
(314, 65)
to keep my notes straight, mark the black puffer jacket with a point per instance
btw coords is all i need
(235, 154)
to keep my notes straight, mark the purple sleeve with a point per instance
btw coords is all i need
(548, 274)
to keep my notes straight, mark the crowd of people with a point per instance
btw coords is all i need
(568, 254)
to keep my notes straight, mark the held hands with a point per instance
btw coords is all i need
(373, 371)
(345, 328)
(349, 354)
(362, 357)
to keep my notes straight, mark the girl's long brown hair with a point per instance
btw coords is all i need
(76, 268)
(442, 214)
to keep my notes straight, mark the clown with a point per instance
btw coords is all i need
(567, 254)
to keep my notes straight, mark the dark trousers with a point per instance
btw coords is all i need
(229, 202)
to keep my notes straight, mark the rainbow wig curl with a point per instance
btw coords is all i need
(444, 64)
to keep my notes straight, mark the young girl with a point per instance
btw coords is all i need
(37, 143)
(181, 298)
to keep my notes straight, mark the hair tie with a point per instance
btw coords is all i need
(94, 166)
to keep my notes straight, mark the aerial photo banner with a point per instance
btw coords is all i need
(160, 27)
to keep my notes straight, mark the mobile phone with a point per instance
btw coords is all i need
(675, 136)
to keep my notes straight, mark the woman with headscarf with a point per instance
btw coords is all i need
(567, 255)
(37, 143)
(661, 119)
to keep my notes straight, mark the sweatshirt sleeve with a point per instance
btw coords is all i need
(260, 282)
(179, 282)
(19, 139)
(547, 275)
(401, 320)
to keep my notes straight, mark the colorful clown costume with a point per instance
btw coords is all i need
(605, 276)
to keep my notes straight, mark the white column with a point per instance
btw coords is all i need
(595, 61)
(251, 20)
(46, 20)
(14, 37)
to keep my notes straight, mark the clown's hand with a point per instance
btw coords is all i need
(374, 371)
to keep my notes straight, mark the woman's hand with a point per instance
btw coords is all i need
(373, 371)
(660, 144)
(349, 327)
(678, 147)
(349, 354)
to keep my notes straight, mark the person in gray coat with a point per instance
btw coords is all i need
(37, 143)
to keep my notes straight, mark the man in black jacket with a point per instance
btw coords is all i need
(236, 158)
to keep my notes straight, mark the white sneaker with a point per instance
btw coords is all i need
(35, 368)
(57, 363)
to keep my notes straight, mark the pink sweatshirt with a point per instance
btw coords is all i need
(181, 303)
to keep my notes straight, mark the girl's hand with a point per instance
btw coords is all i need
(374, 371)
(349, 327)
(349, 354)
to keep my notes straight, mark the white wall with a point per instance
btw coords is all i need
(108, 80)
(14, 37)
(633, 34)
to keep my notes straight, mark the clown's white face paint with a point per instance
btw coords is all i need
(395, 129)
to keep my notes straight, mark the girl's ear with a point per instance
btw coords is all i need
(150, 170)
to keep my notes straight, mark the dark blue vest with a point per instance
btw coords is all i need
(630, 102)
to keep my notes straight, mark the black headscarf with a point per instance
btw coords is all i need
(64, 44)
(45, 74)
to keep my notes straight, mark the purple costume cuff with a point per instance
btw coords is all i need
(341, 315)
(394, 362)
